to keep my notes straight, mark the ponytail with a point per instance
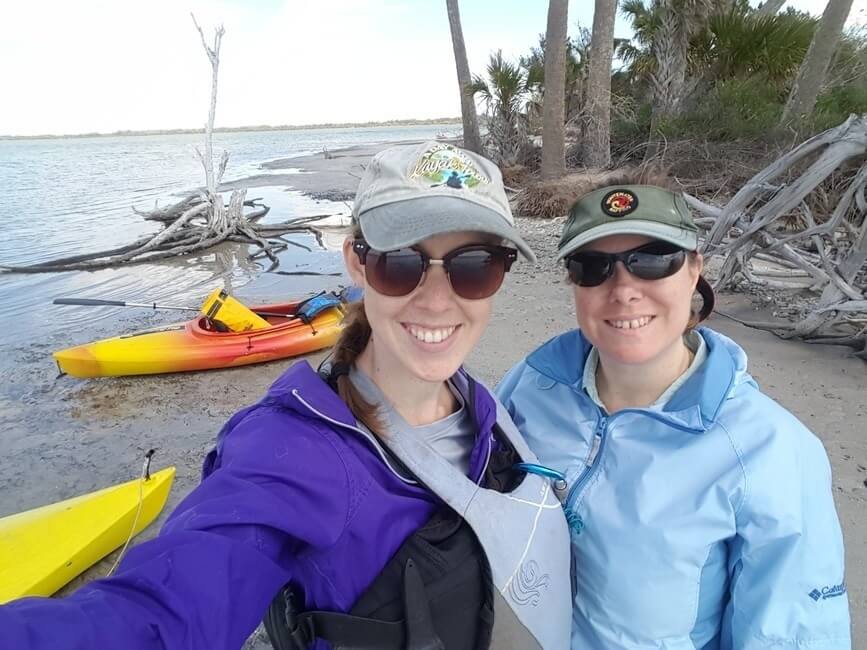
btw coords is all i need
(707, 296)
(353, 339)
(351, 343)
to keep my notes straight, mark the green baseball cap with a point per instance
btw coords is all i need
(629, 210)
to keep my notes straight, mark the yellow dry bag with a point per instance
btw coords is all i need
(222, 307)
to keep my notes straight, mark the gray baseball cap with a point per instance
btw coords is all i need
(411, 192)
(629, 210)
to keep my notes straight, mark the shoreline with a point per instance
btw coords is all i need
(74, 436)
(237, 129)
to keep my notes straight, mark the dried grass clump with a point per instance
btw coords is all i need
(708, 169)
(515, 175)
(553, 198)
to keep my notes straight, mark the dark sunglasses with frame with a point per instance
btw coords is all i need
(652, 261)
(474, 272)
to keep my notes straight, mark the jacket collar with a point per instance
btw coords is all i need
(301, 387)
(302, 380)
(694, 406)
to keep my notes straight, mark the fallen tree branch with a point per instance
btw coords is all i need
(771, 221)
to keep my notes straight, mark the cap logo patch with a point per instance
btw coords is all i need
(442, 164)
(619, 203)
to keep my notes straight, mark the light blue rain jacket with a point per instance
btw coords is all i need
(704, 523)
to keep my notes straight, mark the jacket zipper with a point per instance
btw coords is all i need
(366, 435)
(576, 523)
(597, 449)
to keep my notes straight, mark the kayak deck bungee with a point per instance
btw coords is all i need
(42, 550)
(196, 345)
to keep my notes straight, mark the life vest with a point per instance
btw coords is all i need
(490, 569)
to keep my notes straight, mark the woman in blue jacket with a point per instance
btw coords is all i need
(379, 497)
(700, 510)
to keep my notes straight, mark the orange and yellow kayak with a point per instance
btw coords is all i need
(41, 550)
(196, 345)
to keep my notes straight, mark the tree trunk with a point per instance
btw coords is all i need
(217, 216)
(811, 76)
(770, 7)
(553, 126)
(670, 47)
(472, 139)
(597, 134)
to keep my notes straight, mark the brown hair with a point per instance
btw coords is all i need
(353, 339)
(653, 174)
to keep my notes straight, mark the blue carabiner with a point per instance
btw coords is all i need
(558, 479)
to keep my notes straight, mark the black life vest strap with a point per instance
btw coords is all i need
(420, 634)
(415, 632)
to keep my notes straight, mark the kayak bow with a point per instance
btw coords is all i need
(41, 550)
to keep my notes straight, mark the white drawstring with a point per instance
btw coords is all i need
(145, 476)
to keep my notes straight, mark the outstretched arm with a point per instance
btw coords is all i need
(208, 578)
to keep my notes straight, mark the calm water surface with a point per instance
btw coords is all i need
(69, 196)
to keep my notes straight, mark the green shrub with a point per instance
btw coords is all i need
(731, 110)
(633, 126)
(836, 104)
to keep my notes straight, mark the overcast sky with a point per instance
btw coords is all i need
(76, 66)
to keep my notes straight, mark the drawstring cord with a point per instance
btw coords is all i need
(145, 477)
(560, 485)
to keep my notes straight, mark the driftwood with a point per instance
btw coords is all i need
(170, 213)
(197, 222)
(753, 234)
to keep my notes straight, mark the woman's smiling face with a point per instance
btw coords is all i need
(428, 333)
(630, 320)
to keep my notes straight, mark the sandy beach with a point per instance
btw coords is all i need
(92, 433)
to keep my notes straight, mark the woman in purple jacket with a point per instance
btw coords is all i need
(380, 503)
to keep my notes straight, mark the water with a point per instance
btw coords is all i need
(64, 197)
(62, 436)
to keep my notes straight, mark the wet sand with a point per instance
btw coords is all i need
(72, 436)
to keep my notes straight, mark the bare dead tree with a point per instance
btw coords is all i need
(196, 223)
(217, 220)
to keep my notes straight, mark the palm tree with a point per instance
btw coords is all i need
(740, 42)
(577, 49)
(553, 130)
(598, 132)
(636, 53)
(814, 68)
(472, 139)
(679, 21)
(505, 94)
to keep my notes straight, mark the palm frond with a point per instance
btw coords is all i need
(479, 87)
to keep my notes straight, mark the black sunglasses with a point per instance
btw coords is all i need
(652, 261)
(474, 271)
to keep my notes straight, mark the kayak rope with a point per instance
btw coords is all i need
(145, 476)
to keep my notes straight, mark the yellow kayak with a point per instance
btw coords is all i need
(43, 549)
(196, 345)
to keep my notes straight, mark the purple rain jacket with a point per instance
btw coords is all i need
(293, 490)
